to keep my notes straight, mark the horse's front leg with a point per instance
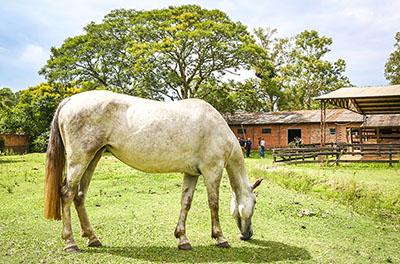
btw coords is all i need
(212, 181)
(188, 187)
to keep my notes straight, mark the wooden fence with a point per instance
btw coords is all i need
(364, 153)
(15, 143)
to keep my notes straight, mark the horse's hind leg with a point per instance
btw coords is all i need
(79, 201)
(188, 188)
(76, 167)
(212, 179)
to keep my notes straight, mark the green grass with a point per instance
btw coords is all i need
(372, 189)
(134, 214)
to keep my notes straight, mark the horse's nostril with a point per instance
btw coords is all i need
(246, 236)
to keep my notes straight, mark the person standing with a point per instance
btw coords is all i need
(262, 148)
(248, 147)
(241, 142)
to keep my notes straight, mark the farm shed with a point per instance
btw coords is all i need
(280, 128)
(15, 143)
(380, 107)
(378, 129)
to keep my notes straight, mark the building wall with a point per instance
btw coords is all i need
(278, 136)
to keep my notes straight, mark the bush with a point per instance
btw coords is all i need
(39, 144)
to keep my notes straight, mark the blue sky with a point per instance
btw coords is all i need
(362, 31)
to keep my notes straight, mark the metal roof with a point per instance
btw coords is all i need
(382, 121)
(293, 117)
(366, 100)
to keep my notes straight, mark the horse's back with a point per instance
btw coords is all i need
(148, 135)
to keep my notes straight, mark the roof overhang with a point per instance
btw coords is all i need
(366, 100)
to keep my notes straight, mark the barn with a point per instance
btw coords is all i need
(378, 129)
(380, 106)
(280, 128)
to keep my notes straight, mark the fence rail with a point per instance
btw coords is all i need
(340, 153)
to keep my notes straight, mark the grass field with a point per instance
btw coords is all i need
(304, 214)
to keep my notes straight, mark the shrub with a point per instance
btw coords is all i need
(39, 144)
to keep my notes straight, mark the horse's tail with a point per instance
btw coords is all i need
(54, 170)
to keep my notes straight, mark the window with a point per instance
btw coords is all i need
(241, 131)
(332, 131)
(266, 130)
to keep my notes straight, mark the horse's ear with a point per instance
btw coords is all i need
(256, 184)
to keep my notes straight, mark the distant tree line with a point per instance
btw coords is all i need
(177, 53)
(392, 67)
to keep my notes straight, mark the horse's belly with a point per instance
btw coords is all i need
(154, 163)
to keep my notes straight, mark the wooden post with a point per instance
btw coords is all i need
(322, 123)
(279, 135)
(337, 155)
(390, 157)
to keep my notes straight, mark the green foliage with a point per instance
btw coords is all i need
(33, 111)
(7, 98)
(298, 71)
(173, 52)
(392, 66)
(233, 96)
(39, 144)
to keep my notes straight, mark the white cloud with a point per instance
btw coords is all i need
(33, 55)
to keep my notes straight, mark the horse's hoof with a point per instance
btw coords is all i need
(185, 246)
(72, 249)
(95, 243)
(224, 245)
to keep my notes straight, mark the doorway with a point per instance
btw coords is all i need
(292, 134)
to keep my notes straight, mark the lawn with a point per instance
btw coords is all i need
(298, 217)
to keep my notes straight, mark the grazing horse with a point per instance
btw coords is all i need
(188, 136)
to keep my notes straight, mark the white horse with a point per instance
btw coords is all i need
(188, 136)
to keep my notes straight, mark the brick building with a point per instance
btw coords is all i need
(280, 128)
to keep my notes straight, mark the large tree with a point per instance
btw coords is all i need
(299, 71)
(392, 67)
(174, 52)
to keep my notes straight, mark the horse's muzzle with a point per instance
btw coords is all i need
(247, 235)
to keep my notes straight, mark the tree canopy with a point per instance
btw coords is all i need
(176, 53)
(298, 71)
(392, 66)
(172, 52)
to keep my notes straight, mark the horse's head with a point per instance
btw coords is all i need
(242, 210)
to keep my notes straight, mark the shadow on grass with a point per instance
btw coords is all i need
(256, 251)
(9, 161)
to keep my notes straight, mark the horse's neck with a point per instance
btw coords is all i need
(240, 184)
